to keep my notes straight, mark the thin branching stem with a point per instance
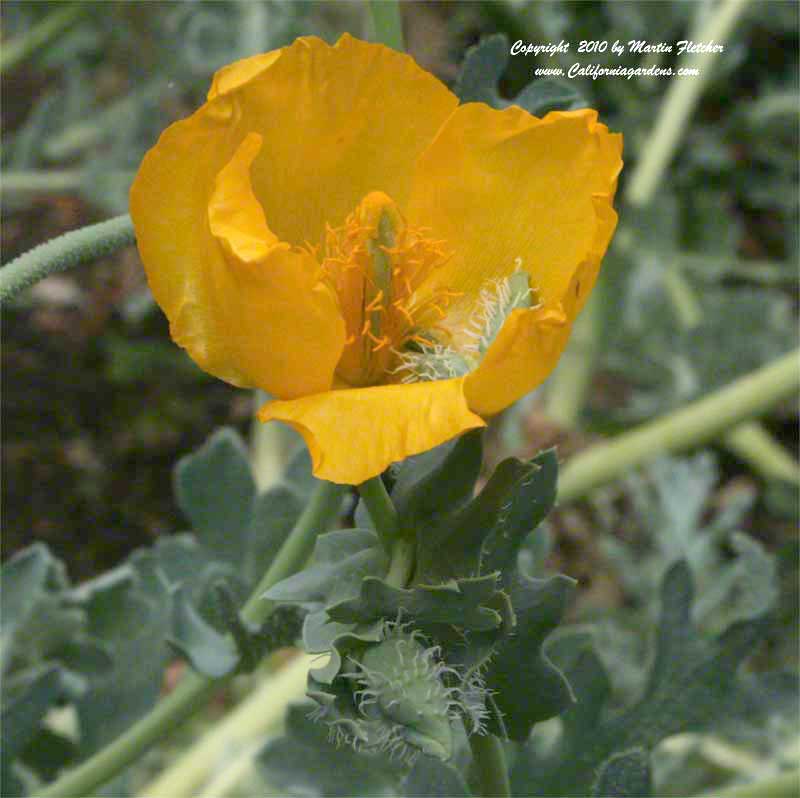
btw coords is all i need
(692, 425)
(39, 35)
(64, 252)
(194, 690)
(387, 23)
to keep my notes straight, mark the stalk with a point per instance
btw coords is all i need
(262, 709)
(489, 765)
(387, 23)
(194, 690)
(64, 252)
(24, 45)
(692, 425)
(672, 122)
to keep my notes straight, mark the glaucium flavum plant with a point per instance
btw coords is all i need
(394, 268)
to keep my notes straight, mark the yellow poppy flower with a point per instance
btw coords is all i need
(332, 227)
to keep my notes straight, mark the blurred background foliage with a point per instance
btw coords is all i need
(700, 287)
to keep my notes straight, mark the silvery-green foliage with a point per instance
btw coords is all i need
(101, 648)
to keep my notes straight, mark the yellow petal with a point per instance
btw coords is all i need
(355, 434)
(525, 351)
(531, 341)
(230, 77)
(337, 123)
(243, 305)
(508, 191)
(169, 205)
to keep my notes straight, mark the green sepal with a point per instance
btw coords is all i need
(443, 477)
(483, 67)
(486, 534)
(462, 602)
(526, 686)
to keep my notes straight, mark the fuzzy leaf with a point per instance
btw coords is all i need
(486, 534)
(461, 602)
(625, 775)
(527, 687)
(215, 489)
(483, 67)
(443, 477)
(341, 560)
(132, 627)
(35, 692)
(430, 776)
(209, 652)
(34, 619)
(693, 684)
(274, 513)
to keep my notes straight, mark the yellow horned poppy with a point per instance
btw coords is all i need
(334, 228)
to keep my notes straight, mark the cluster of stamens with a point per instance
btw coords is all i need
(376, 270)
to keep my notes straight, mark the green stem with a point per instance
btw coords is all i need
(569, 384)
(679, 103)
(783, 785)
(323, 507)
(194, 690)
(401, 566)
(64, 252)
(27, 182)
(381, 510)
(261, 710)
(19, 48)
(384, 515)
(489, 765)
(34, 181)
(190, 695)
(751, 442)
(387, 23)
(690, 426)
(656, 153)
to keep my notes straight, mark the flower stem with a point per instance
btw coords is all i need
(782, 785)
(679, 103)
(489, 765)
(64, 252)
(566, 395)
(751, 442)
(22, 46)
(384, 515)
(568, 385)
(194, 690)
(401, 566)
(381, 510)
(317, 516)
(387, 23)
(689, 426)
(265, 707)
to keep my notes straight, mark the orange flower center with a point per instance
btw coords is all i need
(377, 264)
